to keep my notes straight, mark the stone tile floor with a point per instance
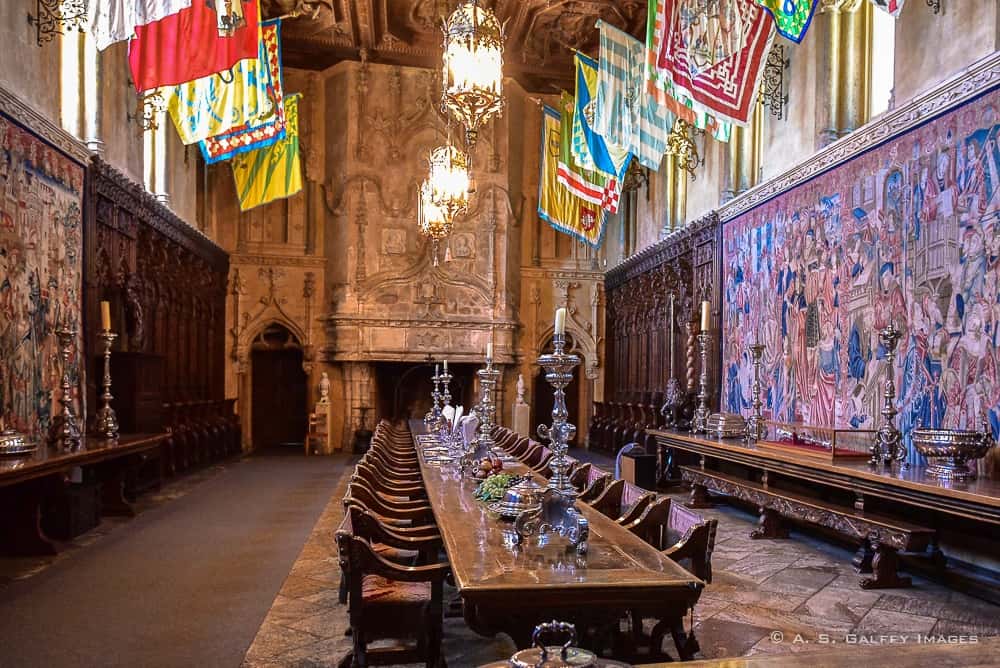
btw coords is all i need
(774, 597)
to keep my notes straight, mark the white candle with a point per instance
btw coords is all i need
(436, 370)
(106, 316)
(705, 306)
(489, 350)
(446, 366)
(560, 321)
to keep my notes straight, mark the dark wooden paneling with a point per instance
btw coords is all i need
(166, 283)
(639, 354)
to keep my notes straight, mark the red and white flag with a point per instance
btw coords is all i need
(110, 21)
(192, 44)
(894, 7)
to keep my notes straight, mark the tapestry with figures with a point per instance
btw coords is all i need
(41, 205)
(906, 232)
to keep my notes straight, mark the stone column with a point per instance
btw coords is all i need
(847, 66)
(744, 155)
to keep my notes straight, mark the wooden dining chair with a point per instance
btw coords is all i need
(622, 501)
(388, 601)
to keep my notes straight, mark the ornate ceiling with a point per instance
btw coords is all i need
(541, 34)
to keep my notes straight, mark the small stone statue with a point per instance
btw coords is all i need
(520, 389)
(324, 388)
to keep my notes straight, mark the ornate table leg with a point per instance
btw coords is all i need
(885, 569)
(699, 497)
(769, 525)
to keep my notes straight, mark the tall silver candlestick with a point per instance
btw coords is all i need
(433, 417)
(446, 392)
(106, 423)
(888, 445)
(756, 427)
(700, 419)
(65, 430)
(488, 379)
(557, 512)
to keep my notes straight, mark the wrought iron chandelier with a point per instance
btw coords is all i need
(444, 194)
(472, 86)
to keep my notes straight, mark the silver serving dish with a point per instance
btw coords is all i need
(726, 425)
(525, 495)
(949, 451)
(13, 443)
(541, 655)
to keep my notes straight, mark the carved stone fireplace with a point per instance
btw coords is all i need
(403, 390)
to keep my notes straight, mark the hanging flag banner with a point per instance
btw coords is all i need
(261, 132)
(590, 186)
(216, 104)
(110, 21)
(590, 151)
(660, 86)
(187, 45)
(894, 7)
(273, 172)
(727, 90)
(792, 17)
(558, 206)
(626, 115)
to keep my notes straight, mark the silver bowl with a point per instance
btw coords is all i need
(949, 451)
(15, 444)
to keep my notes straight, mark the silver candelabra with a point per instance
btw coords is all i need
(756, 427)
(557, 512)
(888, 445)
(65, 430)
(106, 423)
(488, 378)
(700, 420)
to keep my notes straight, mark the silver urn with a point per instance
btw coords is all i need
(948, 451)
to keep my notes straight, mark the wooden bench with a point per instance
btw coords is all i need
(881, 538)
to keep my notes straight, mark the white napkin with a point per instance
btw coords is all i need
(449, 413)
(458, 418)
(469, 425)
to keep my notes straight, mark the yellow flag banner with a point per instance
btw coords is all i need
(272, 172)
(242, 95)
(558, 206)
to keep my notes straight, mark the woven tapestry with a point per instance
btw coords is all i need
(41, 217)
(908, 232)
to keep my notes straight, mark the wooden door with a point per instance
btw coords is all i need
(279, 398)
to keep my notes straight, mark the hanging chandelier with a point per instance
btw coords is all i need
(473, 67)
(444, 194)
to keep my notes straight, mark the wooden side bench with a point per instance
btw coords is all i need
(880, 537)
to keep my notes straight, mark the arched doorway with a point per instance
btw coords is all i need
(278, 391)
(544, 399)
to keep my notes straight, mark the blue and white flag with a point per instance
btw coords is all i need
(589, 148)
(626, 115)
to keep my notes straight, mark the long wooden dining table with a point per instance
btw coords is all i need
(510, 588)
